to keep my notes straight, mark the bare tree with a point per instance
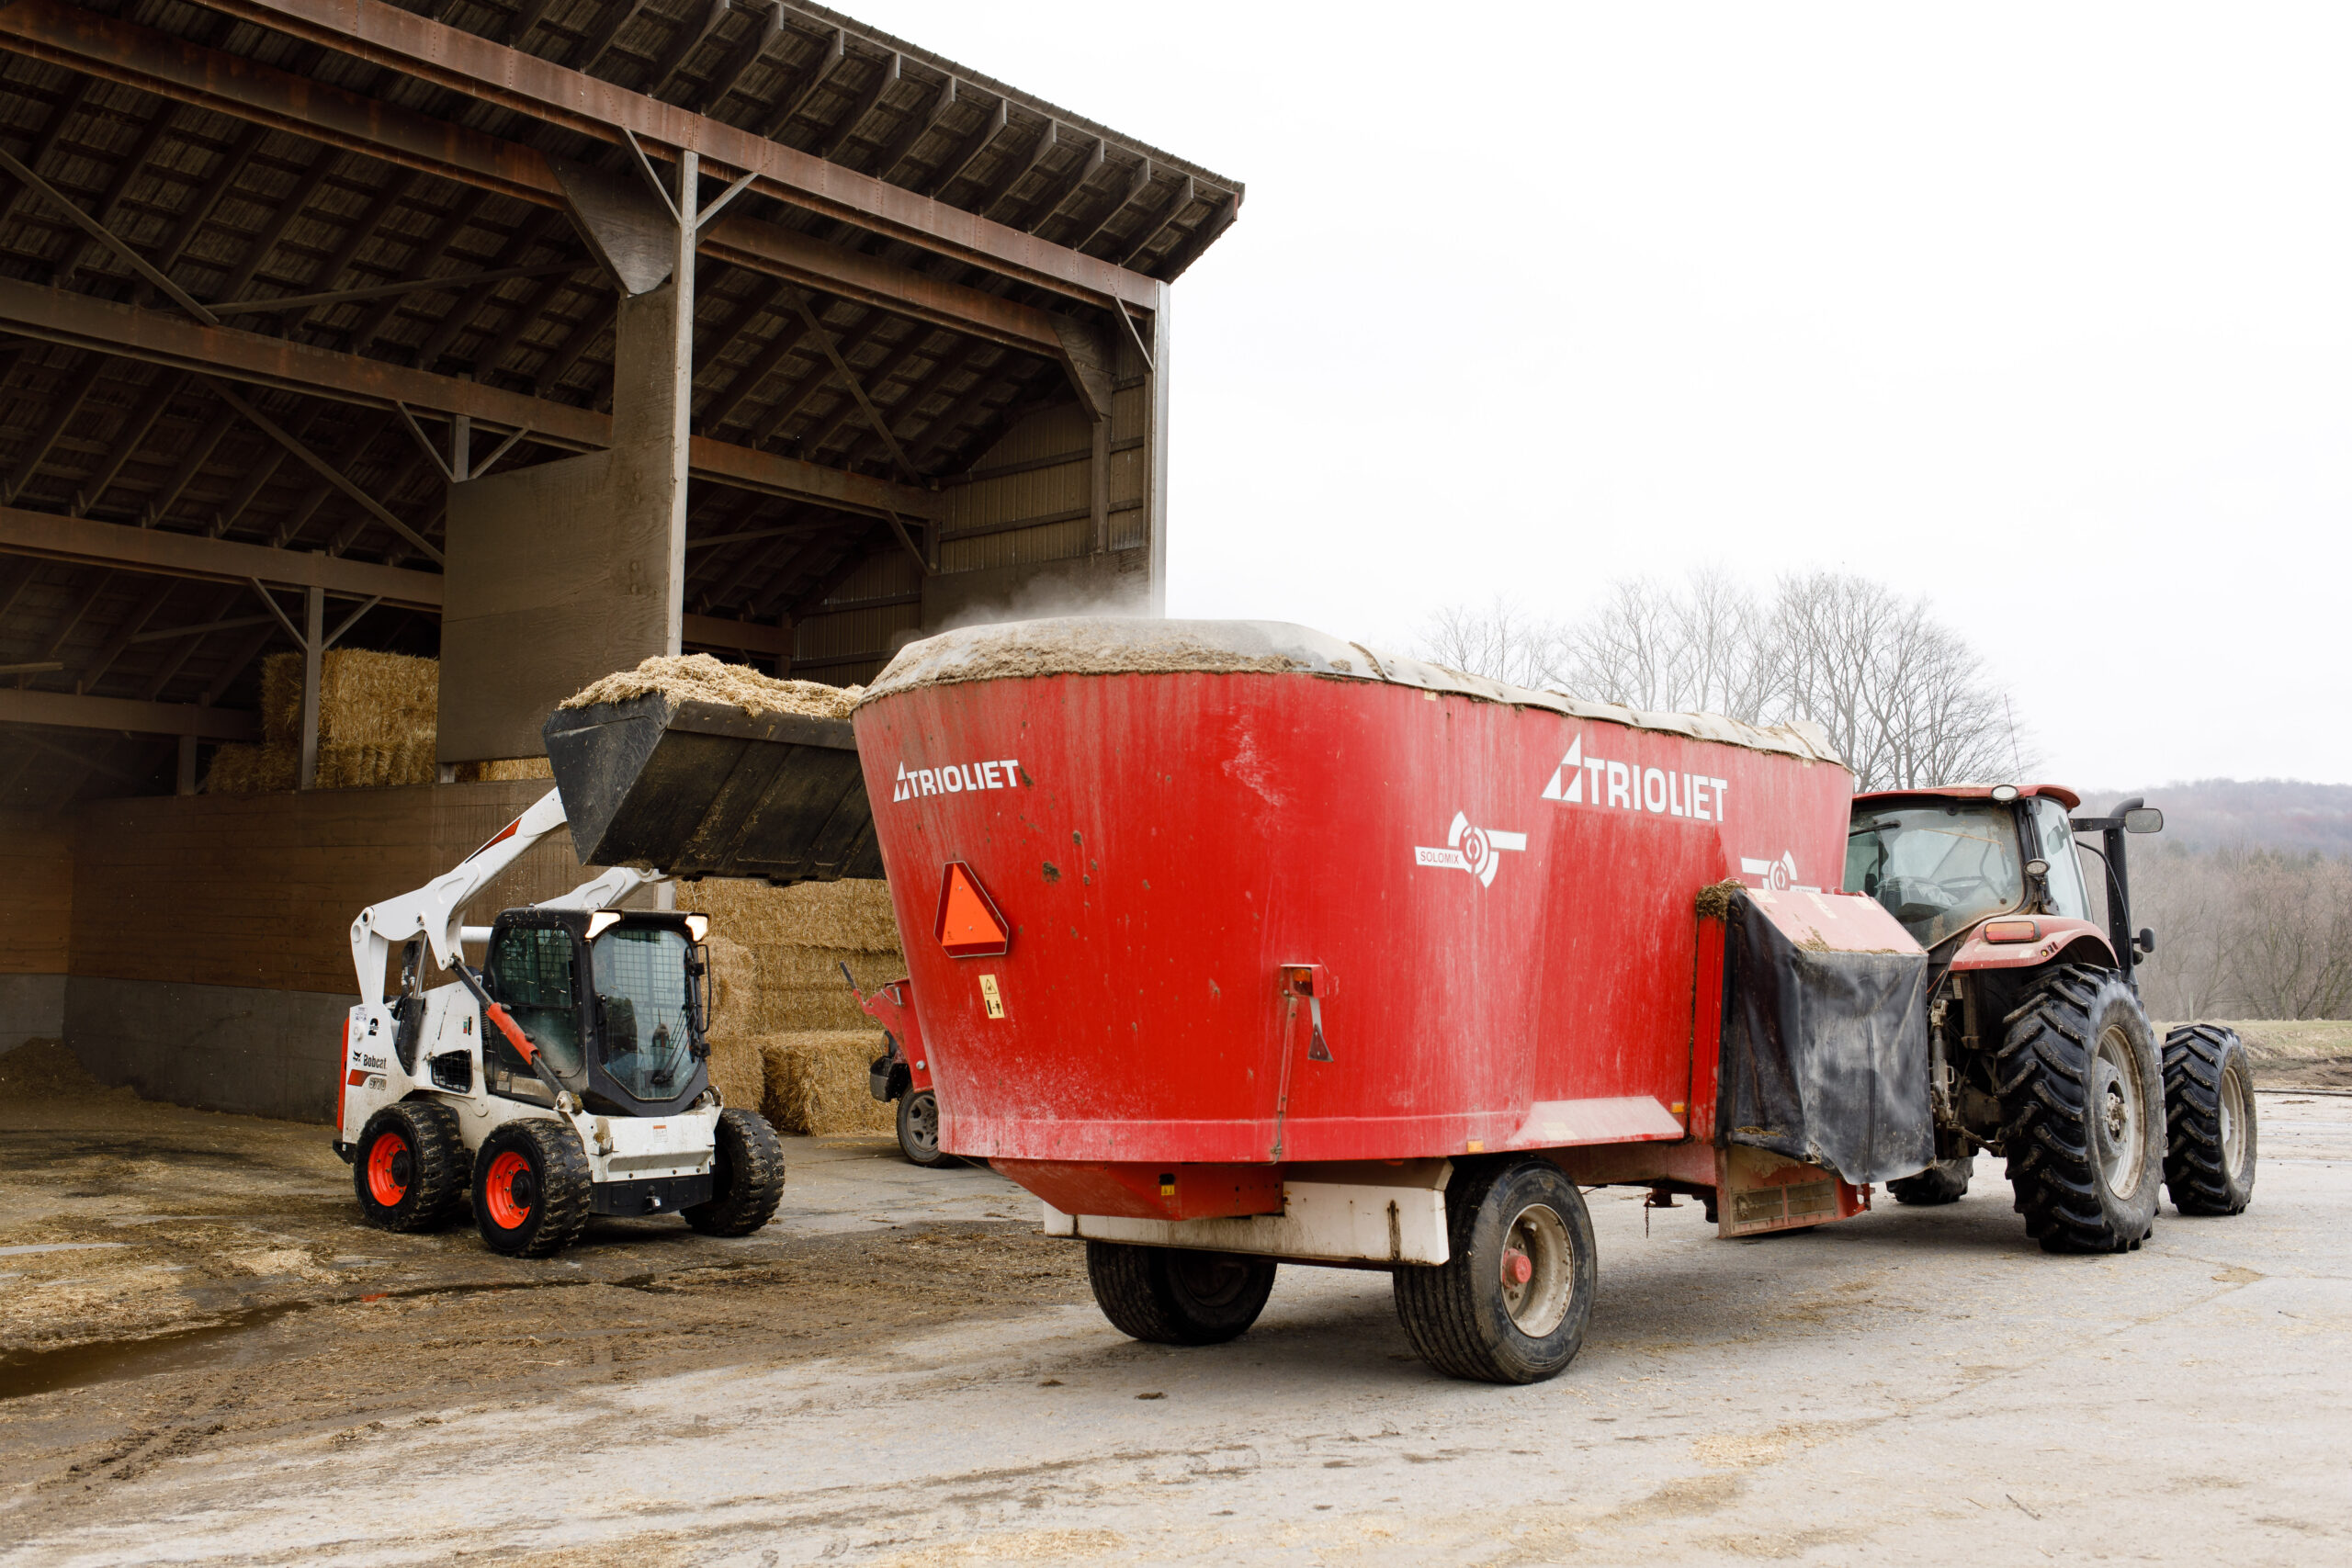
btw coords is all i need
(1502, 642)
(1902, 697)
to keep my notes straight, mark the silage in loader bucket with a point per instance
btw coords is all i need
(707, 789)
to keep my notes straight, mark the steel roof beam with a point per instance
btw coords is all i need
(81, 322)
(227, 84)
(469, 63)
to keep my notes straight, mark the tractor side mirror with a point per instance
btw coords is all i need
(2147, 942)
(2143, 819)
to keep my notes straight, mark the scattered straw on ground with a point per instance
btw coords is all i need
(40, 1067)
(817, 1082)
(1077, 645)
(699, 677)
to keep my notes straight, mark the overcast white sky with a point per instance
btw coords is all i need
(2045, 311)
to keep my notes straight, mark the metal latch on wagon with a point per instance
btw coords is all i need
(1313, 982)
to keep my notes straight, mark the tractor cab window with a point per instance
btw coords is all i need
(2068, 893)
(643, 1003)
(1938, 868)
(530, 973)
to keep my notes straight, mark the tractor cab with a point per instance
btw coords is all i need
(1992, 876)
(616, 1001)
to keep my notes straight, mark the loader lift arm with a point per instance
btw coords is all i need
(435, 910)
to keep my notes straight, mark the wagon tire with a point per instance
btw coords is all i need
(1172, 1295)
(746, 1176)
(2210, 1121)
(532, 1189)
(919, 1129)
(408, 1166)
(1512, 1301)
(1946, 1181)
(2082, 1112)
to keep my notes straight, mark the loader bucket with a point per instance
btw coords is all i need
(706, 789)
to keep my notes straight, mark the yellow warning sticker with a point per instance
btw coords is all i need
(989, 998)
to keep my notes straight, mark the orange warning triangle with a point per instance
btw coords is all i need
(970, 926)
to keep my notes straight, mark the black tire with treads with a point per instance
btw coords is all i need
(1946, 1181)
(1457, 1315)
(1169, 1295)
(427, 1166)
(2210, 1121)
(746, 1176)
(2082, 1104)
(545, 1219)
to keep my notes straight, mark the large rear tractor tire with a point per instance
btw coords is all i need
(1946, 1181)
(919, 1129)
(532, 1189)
(2209, 1117)
(1173, 1295)
(746, 1176)
(408, 1169)
(1512, 1301)
(2082, 1102)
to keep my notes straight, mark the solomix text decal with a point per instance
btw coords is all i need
(995, 772)
(1629, 787)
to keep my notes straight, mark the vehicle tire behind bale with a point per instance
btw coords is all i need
(746, 1176)
(408, 1166)
(532, 1190)
(1946, 1181)
(2210, 1121)
(2081, 1104)
(1173, 1295)
(1512, 1301)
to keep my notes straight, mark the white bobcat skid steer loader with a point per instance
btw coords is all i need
(564, 1077)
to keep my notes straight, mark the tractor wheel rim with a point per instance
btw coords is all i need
(2233, 1098)
(922, 1122)
(390, 1167)
(1537, 1270)
(510, 1191)
(2117, 1137)
(1210, 1280)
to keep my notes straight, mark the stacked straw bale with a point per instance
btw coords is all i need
(377, 718)
(779, 999)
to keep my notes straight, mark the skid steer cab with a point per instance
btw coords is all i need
(2039, 1050)
(564, 1077)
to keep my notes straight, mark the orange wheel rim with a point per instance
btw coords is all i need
(389, 1166)
(507, 1210)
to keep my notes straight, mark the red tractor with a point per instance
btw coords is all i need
(2038, 1048)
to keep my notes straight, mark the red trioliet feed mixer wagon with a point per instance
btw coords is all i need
(1234, 942)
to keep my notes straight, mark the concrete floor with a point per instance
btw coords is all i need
(1920, 1384)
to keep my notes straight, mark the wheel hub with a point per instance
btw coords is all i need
(1538, 1271)
(2119, 1143)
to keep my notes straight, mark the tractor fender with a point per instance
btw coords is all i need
(2059, 940)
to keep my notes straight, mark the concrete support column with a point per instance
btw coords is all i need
(566, 571)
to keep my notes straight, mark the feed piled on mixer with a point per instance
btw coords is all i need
(699, 677)
(1074, 645)
(817, 1082)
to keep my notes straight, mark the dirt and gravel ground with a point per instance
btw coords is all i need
(208, 1360)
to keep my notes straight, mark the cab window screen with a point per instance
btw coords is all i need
(530, 972)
